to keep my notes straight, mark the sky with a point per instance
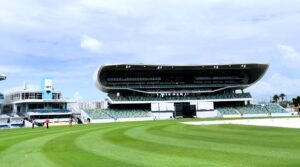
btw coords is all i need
(68, 40)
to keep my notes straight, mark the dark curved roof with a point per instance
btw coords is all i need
(149, 78)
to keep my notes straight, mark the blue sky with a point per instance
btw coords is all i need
(67, 40)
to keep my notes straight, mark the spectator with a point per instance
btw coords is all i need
(33, 122)
(8, 122)
(71, 121)
(47, 123)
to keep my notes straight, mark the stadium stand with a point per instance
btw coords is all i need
(275, 108)
(227, 111)
(117, 113)
(97, 114)
(252, 109)
(179, 91)
(128, 113)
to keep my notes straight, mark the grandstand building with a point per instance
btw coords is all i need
(37, 104)
(168, 91)
(3, 119)
(2, 77)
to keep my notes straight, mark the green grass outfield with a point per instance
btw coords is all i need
(150, 143)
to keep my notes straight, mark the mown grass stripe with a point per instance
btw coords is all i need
(204, 134)
(28, 151)
(190, 142)
(151, 143)
(56, 148)
(130, 154)
(175, 150)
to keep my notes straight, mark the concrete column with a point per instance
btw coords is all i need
(26, 107)
(14, 108)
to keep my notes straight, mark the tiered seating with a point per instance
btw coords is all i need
(117, 113)
(127, 113)
(179, 97)
(252, 109)
(275, 108)
(97, 114)
(227, 111)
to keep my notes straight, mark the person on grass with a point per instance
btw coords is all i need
(47, 123)
(33, 122)
(71, 121)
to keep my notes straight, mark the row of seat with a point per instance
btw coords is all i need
(275, 108)
(252, 109)
(227, 111)
(97, 114)
(135, 79)
(117, 113)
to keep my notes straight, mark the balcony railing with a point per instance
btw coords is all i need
(50, 110)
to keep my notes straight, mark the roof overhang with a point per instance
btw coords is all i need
(258, 69)
(41, 101)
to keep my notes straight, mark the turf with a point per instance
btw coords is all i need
(151, 143)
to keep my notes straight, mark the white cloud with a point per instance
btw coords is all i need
(7, 69)
(25, 86)
(91, 44)
(145, 31)
(291, 57)
(77, 96)
(275, 84)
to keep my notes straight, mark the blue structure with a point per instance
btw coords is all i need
(47, 89)
(37, 103)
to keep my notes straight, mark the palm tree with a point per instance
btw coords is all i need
(275, 98)
(282, 96)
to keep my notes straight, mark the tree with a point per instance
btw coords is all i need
(282, 96)
(275, 98)
(296, 101)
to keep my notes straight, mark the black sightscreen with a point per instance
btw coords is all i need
(184, 110)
